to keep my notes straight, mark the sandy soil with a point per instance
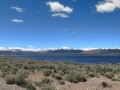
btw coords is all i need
(91, 84)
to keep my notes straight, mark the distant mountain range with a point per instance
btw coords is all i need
(61, 51)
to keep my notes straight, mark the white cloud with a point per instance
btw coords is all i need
(17, 20)
(57, 7)
(60, 15)
(18, 9)
(107, 6)
(59, 10)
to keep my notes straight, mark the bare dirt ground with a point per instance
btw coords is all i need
(91, 84)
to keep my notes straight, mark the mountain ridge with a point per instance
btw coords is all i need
(60, 51)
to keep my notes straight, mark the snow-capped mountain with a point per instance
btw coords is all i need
(33, 49)
(58, 51)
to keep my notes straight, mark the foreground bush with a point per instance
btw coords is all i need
(104, 84)
(47, 72)
(58, 76)
(75, 77)
(43, 82)
(20, 78)
(10, 79)
(29, 86)
(91, 74)
(71, 78)
(109, 75)
(81, 78)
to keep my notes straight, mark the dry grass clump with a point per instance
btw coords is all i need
(62, 82)
(115, 79)
(47, 72)
(58, 76)
(109, 75)
(43, 82)
(10, 79)
(105, 85)
(47, 87)
(76, 77)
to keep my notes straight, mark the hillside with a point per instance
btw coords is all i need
(96, 52)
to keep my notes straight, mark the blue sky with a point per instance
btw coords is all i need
(58, 23)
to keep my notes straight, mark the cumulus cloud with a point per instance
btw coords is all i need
(57, 7)
(17, 20)
(18, 9)
(60, 15)
(107, 6)
(59, 10)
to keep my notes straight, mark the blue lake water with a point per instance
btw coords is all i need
(79, 59)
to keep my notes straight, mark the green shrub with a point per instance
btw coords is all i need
(47, 72)
(43, 82)
(65, 69)
(47, 87)
(53, 74)
(58, 76)
(61, 73)
(10, 79)
(20, 78)
(115, 79)
(81, 78)
(27, 67)
(29, 86)
(46, 81)
(109, 75)
(75, 77)
(101, 72)
(104, 84)
(87, 68)
(91, 74)
(71, 78)
(62, 82)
